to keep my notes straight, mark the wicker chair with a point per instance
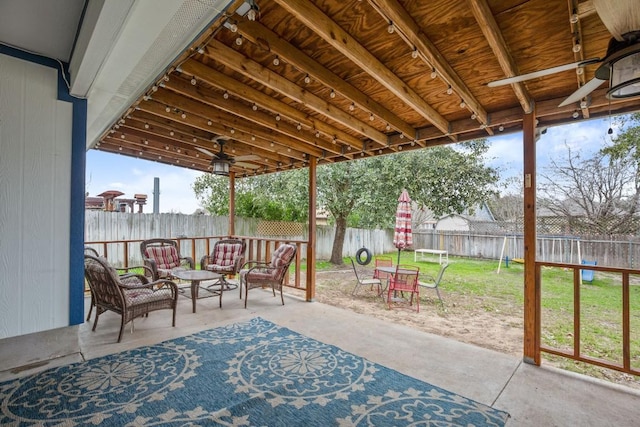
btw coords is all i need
(125, 273)
(256, 274)
(226, 259)
(162, 256)
(132, 299)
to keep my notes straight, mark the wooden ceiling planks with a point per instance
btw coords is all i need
(346, 87)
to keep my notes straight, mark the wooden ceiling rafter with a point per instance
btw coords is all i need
(284, 134)
(416, 39)
(263, 101)
(198, 121)
(578, 51)
(267, 39)
(343, 42)
(493, 35)
(240, 63)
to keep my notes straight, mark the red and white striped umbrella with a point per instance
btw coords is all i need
(402, 236)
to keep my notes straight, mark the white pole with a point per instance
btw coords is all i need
(504, 243)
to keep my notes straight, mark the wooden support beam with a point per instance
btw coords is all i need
(264, 101)
(286, 134)
(410, 31)
(259, 34)
(311, 240)
(532, 292)
(492, 33)
(232, 204)
(333, 34)
(240, 63)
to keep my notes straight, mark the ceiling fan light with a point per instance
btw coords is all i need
(625, 76)
(220, 167)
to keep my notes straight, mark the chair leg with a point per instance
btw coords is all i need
(121, 328)
(91, 307)
(438, 292)
(246, 294)
(95, 322)
(281, 295)
(173, 323)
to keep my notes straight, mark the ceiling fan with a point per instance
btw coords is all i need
(221, 161)
(621, 64)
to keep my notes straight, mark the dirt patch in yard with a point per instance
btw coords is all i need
(481, 321)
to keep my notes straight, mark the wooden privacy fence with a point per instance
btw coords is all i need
(619, 251)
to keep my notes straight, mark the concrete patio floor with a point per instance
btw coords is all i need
(533, 396)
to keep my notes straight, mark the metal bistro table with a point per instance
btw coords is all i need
(196, 276)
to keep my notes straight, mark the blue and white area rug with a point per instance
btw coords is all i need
(247, 374)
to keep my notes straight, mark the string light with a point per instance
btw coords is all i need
(433, 73)
(332, 94)
(501, 128)
(277, 117)
(449, 90)
(577, 47)
(352, 107)
(414, 53)
(194, 81)
(254, 107)
(473, 116)
(209, 122)
(307, 79)
(575, 115)
(276, 61)
(371, 117)
(390, 28)
(239, 40)
(225, 95)
(463, 104)
(183, 115)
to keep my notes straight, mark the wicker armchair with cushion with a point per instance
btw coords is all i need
(256, 274)
(126, 274)
(226, 259)
(162, 256)
(135, 298)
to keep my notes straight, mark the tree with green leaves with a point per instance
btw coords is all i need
(363, 193)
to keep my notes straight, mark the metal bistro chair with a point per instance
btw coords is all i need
(404, 280)
(162, 256)
(130, 300)
(365, 282)
(382, 261)
(434, 283)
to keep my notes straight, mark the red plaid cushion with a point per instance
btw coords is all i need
(225, 253)
(282, 255)
(166, 257)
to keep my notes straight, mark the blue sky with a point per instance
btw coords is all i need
(106, 171)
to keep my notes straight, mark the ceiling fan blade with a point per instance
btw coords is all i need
(585, 90)
(205, 151)
(247, 157)
(542, 73)
(247, 165)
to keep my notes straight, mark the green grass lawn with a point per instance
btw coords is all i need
(600, 302)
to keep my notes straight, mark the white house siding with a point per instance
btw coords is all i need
(452, 222)
(35, 171)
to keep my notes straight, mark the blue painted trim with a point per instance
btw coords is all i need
(77, 187)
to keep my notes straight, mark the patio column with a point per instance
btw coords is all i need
(531, 279)
(232, 204)
(311, 240)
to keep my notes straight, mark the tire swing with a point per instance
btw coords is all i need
(367, 258)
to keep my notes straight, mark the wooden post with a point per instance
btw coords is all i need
(531, 282)
(311, 240)
(232, 204)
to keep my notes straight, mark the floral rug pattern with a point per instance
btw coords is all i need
(250, 373)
